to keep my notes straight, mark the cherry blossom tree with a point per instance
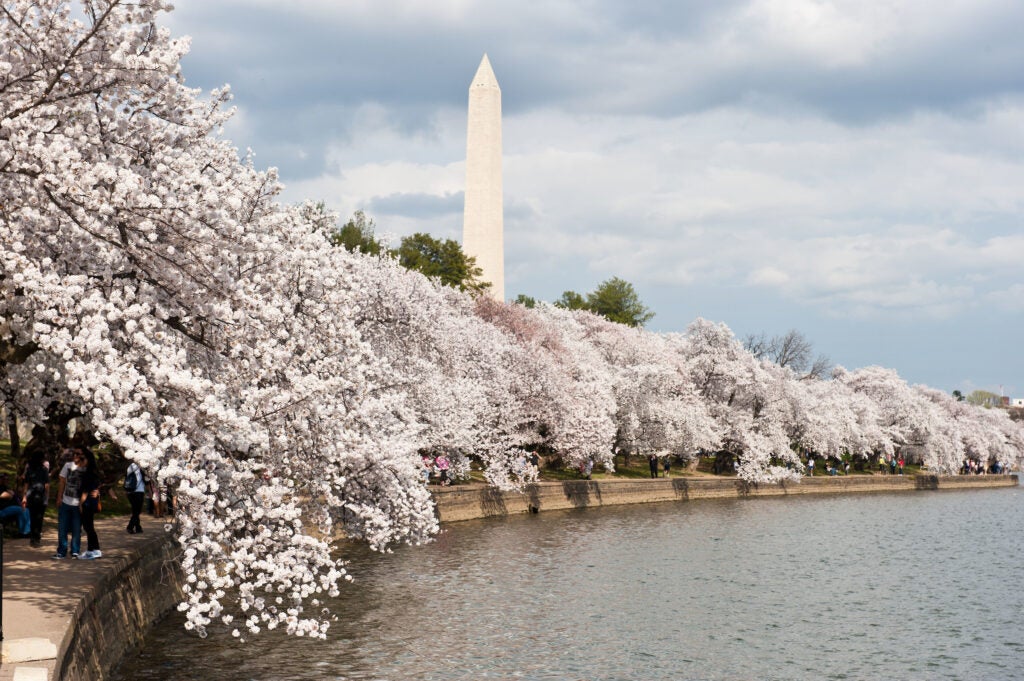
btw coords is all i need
(658, 411)
(904, 416)
(150, 280)
(459, 374)
(747, 400)
(964, 430)
(567, 388)
(153, 284)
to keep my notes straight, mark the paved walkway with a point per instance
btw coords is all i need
(40, 595)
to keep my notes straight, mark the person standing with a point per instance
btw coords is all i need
(89, 504)
(155, 497)
(69, 517)
(443, 464)
(37, 494)
(135, 487)
(588, 467)
(653, 461)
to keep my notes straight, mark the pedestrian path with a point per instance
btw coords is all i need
(41, 596)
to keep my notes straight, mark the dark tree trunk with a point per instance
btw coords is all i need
(12, 433)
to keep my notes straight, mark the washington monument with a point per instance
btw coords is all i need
(482, 224)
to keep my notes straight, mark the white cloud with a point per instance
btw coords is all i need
(875, 221)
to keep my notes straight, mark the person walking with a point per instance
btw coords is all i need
(69, 517)
(135, 487)
(89, 505)
(37, 494)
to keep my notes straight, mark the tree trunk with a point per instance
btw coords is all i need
(12, 430)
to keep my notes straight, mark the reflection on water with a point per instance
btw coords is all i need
(908, 586)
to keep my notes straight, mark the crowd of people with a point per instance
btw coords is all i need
(80, 491)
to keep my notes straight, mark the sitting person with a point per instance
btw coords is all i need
(13, 506)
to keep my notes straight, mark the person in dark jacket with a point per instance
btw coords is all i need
(37, 494)
(89, 503)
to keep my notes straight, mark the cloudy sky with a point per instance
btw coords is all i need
(853, 169)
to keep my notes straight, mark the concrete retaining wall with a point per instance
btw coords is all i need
(477, 501)
(116, 613)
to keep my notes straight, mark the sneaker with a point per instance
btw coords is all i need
(57, 556)
(95, 554)
(73, 555)
(88, 555)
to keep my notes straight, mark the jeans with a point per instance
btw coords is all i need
(16, 511)
(69, 519)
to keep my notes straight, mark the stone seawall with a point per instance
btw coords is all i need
(478, 501)
(115, 614)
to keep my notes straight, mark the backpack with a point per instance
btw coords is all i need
(36, 479)
(131, 480)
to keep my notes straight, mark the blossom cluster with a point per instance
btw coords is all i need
(151, 279)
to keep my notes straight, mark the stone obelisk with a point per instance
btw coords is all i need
(482, 225)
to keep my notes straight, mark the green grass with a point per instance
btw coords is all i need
(7, 464)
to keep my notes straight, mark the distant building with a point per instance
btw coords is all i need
(1017, 402)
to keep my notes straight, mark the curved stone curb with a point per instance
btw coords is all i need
(478, 501)
(119, 608)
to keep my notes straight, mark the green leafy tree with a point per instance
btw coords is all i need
(526, 301)
(616, 300)
(958, 395)
(571, 300)
(443, 260)
(357, 235)
(984, 398)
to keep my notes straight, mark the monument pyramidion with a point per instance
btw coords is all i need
(483, 225)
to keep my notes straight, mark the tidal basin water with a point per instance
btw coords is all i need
(894, 586)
